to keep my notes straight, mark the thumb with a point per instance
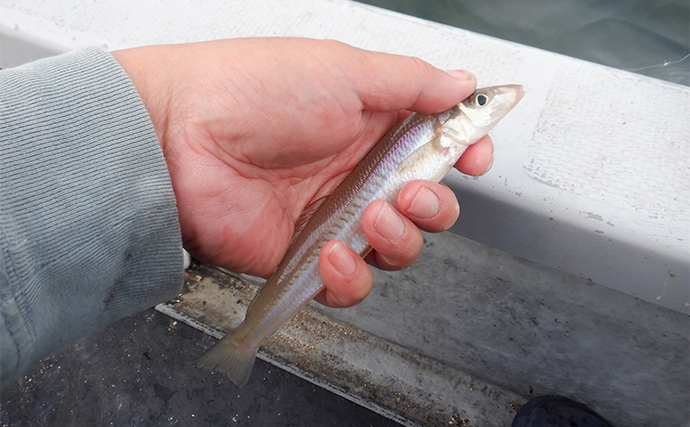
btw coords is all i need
(386, 82)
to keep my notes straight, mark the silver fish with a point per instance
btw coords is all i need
(423, 146)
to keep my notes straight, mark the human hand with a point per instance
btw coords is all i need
(254, 130)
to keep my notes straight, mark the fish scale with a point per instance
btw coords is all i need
(423, 146)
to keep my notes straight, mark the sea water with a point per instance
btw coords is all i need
(649, 37)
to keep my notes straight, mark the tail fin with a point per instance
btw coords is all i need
(226, 356)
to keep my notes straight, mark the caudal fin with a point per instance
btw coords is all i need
(227, 357)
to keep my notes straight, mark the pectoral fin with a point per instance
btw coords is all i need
(417, 163)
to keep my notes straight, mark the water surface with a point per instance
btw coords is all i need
(649, 37)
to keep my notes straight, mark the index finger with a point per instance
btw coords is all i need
(478, 157)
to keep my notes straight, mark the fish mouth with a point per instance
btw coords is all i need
(519, 92)
(514, 93)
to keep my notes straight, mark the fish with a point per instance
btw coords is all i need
(423, 146)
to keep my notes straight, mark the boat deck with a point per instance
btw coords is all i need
(566, 274)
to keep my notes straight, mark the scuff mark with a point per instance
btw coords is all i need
(592, 215)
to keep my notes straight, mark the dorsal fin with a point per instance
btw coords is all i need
(305, 216)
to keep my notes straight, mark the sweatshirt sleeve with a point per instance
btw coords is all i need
(88, 222)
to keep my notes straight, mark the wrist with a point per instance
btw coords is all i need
(144, 66)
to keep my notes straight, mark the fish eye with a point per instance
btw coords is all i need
(480, 99)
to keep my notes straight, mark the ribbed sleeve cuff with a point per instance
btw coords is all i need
(88, 222)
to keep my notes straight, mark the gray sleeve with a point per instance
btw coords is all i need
(88, 222)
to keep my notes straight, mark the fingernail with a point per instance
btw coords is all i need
(341, 258)
(488, 168)
(389, 224)
(461, 74)
(425, 204)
